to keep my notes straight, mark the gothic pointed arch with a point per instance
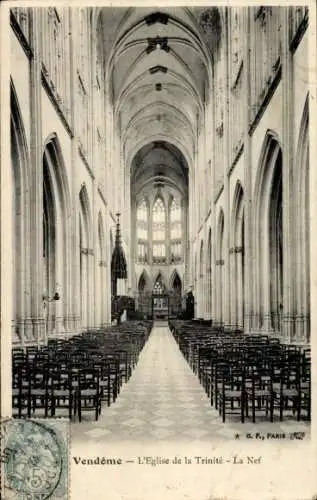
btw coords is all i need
(159, 283)
(175, 299)
(159, 230)
(160, 300)
(175, 279)
(143, 281)
(86, 252)
(21, 183)
(302, 229)
(144, 291)
(56, 237)
(268, 237)
(237, 257)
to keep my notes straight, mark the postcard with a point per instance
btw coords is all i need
(158, 221)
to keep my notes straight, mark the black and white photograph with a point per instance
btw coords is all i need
(158, 215)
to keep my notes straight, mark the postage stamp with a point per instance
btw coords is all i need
(35, 459)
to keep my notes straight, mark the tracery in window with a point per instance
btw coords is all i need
(176, 220)
(159, 224)
(176, 250)
(142, 231)
(159, 287)
(159, 250)
(142, 221)
(159, 231)
(176, 230)
(54, 46)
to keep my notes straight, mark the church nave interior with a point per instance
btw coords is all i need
(160, 222)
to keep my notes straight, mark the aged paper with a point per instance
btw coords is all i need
(241, 461)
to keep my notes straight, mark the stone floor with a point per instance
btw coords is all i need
(164, 401)
(172, 445)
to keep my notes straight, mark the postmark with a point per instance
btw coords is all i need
(35, 459)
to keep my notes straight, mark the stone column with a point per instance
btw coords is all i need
(226, 193)
(108, 269)
(150, 229)
(249, 269)
(233, 284)
(168, 233)
(190, 216)
(36, 159)
(288, 327)
(94, 159)
(214, 269)
(75, 189)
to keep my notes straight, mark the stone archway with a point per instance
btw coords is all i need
(56, 280)
(302, 284)
(160, 299)
(21, 270)
(237, 259)
(268, 239)
(85, 257)
(144, 302)
(175, 299)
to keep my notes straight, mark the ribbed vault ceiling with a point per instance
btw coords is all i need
(160, 164)
(159, 65)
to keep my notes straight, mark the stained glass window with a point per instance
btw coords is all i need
(142, 231)
(176, 230)
(159, 230)
(159, 287)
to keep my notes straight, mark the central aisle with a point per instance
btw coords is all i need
(162, 400)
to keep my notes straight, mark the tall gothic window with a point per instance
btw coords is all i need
(159, 231)
(142, 231)
(83, 71)
(55, 48)
(176, 230)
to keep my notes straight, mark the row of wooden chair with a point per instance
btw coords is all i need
(247, 374)
(77, 374)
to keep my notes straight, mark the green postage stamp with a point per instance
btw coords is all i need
(35, 459)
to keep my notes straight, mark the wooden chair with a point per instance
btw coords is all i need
(89, 394)
(232, 392)
(63, 387)
(259, 389)
(21, 387)
(286, 386)
(305, 383)
(39, 392)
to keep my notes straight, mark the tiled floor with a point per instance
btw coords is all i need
(163, 401)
